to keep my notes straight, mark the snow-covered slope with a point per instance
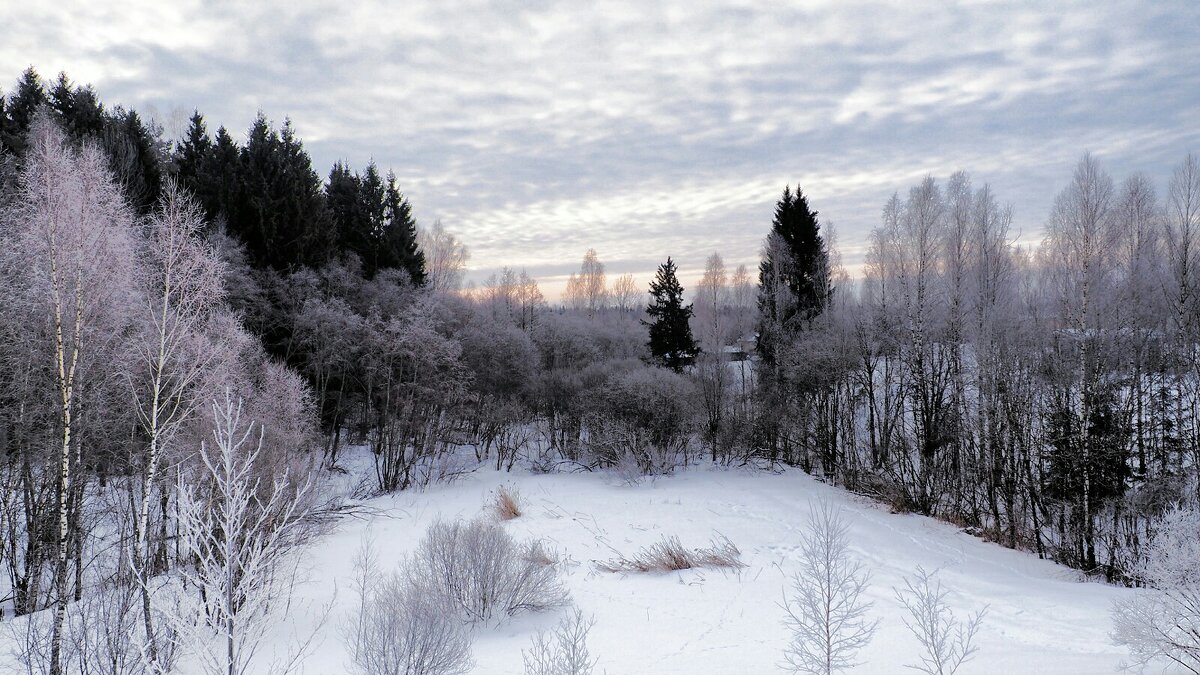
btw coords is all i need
(1041, 618)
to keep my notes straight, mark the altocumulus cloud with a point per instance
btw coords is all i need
(537, 130)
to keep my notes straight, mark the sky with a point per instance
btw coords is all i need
(536, 130)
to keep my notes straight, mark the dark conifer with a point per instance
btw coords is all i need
(671, 341)
(22, 106)
(793, 282)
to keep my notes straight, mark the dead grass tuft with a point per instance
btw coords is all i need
(669, 555)
(507, 505)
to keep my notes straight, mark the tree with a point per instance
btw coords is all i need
(586, 292)
(671, 340)
(182, 279)
(711, 298)
(74, 226)
(826, 613)
(445, 258)
(236, 531)
(21, 109)
(278, 208)
(374, 221)
(794, 281)
(625, 293)
(946, 642)
(1081, 241)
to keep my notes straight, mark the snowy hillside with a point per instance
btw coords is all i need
(1041, 618)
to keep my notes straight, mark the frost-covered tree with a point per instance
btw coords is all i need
(445, 258)
(587, 291)
(826, 611)
(947, 642)
(625, 293)
(182, 280)
(76, 235)
(236, 530)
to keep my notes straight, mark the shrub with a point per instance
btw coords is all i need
(642, 417)
(483, 573)
(669, 555)
(826, 612)
(1164, 620)
(403, 629)
(946, 641)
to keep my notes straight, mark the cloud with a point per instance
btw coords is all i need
(537, 130)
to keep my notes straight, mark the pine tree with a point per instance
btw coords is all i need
(793, 283)
(22, 106)
(191, 156)
(399, 236)
(671, 341)
(374, 221)
(277, 205)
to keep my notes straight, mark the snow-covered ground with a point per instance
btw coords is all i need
(1041, 617)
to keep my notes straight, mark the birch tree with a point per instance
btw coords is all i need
(826, 612)
(182, 279)
(78, 232)
(237, 531)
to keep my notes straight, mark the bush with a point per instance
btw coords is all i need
(482, 573)
(643, 418)
(402, 629)
(669, 555)
(947, 642)
(1164, 620)
(826, 612)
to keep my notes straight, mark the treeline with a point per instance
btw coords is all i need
(1043, 397)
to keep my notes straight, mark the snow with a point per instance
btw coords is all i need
(1041, 617)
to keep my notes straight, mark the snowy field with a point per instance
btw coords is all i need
(1041, 617)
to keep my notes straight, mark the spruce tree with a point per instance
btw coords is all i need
(374, 221)
(191, 157)
(278, 208)
(22, 105)
(793, 283)
(671, 342)
(399, 236)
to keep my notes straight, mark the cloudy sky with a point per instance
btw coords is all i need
(536, 130)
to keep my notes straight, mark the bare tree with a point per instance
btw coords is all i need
(445, 258)
(530, 301)
(564, 651)
(826, 612)
(711, 298)
(237, 533)
(946, 642)
(78, 231)
(1163, 621)
(625, 293)
(587, 291)
(183, 282)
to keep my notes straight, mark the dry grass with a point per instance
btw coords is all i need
(538, 554)
(669, 555)
(507, 505)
